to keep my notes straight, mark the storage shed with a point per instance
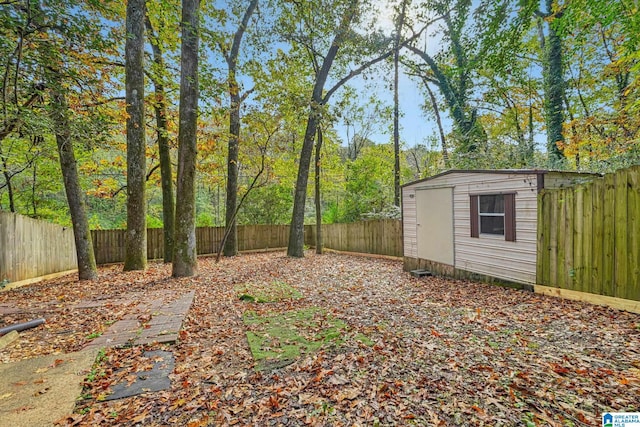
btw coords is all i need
(477, 223)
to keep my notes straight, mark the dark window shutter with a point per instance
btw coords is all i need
(510, 217)
(475, 225)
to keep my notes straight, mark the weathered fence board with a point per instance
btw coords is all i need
(589, 236)
(109, 245)
(30, 248)
(381, 237)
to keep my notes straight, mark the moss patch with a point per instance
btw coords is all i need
(364, 339)
(267, 292)
(278, 339)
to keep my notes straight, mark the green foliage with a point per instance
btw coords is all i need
(277, 339)
(486, 75)
(369, 183)
(270, 204)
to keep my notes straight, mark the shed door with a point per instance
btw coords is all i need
(435, 224)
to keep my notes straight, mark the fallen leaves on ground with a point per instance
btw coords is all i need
(438, 351)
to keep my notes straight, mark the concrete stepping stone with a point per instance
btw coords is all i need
(154, 321)
(148, 381)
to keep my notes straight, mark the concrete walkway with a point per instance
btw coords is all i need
(158, 320)
(39, 391)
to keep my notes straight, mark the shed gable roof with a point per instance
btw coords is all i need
(500, 171)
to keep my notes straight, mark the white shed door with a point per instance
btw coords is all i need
(435, 224)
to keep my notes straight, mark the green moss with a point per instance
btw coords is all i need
(266, 293)
(364, 339)
(278, 339)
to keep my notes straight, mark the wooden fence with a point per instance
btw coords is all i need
(383, 237)
(589, 236)
(30, 248)
(109, 245)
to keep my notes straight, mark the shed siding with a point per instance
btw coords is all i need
(488, 255)
(409, 221)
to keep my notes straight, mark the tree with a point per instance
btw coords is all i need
(296, 236)
(601, 74)
(369, 183)
(61, 61)
(455, 81)
(164, 149)
(136, 235)
(318, 193)
(553, 85)
(235, 100)
(396, 102)
(185, 258)
(342, 34)
(87, 269)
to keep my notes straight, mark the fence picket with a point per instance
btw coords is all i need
(589, 236)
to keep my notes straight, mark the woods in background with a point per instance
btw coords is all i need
(510, 84)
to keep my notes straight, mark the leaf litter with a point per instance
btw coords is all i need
(430, 351)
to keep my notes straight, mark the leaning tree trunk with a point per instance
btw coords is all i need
(185, 261)
(436, 112)
(296, 230)
(318, 195)
(75, 197)
(231, 245)
(396, 107)
(136, 235)
(164, 150)
(235, 99)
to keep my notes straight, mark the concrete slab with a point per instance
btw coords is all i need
(152, 380)
(38, 392)
(158, 320)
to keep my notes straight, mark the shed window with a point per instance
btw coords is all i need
(493, 214)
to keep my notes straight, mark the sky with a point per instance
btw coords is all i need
(415, 125)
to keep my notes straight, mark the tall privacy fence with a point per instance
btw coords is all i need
(109, 245)
(30, 248)
(589, 236)
(382, 237)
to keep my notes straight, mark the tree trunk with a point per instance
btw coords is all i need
(164, 149)
(296, 230)
(7, 178)
(554, 94)
(318, 194)
(185, 261)
(443, 139)
(166, 175)
(34, 185)
(231, 245)
(136, 235)
(75, 197)
(396, 107)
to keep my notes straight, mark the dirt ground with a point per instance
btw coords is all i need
(427, 351)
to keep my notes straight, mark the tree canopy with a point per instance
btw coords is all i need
(506, 84)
